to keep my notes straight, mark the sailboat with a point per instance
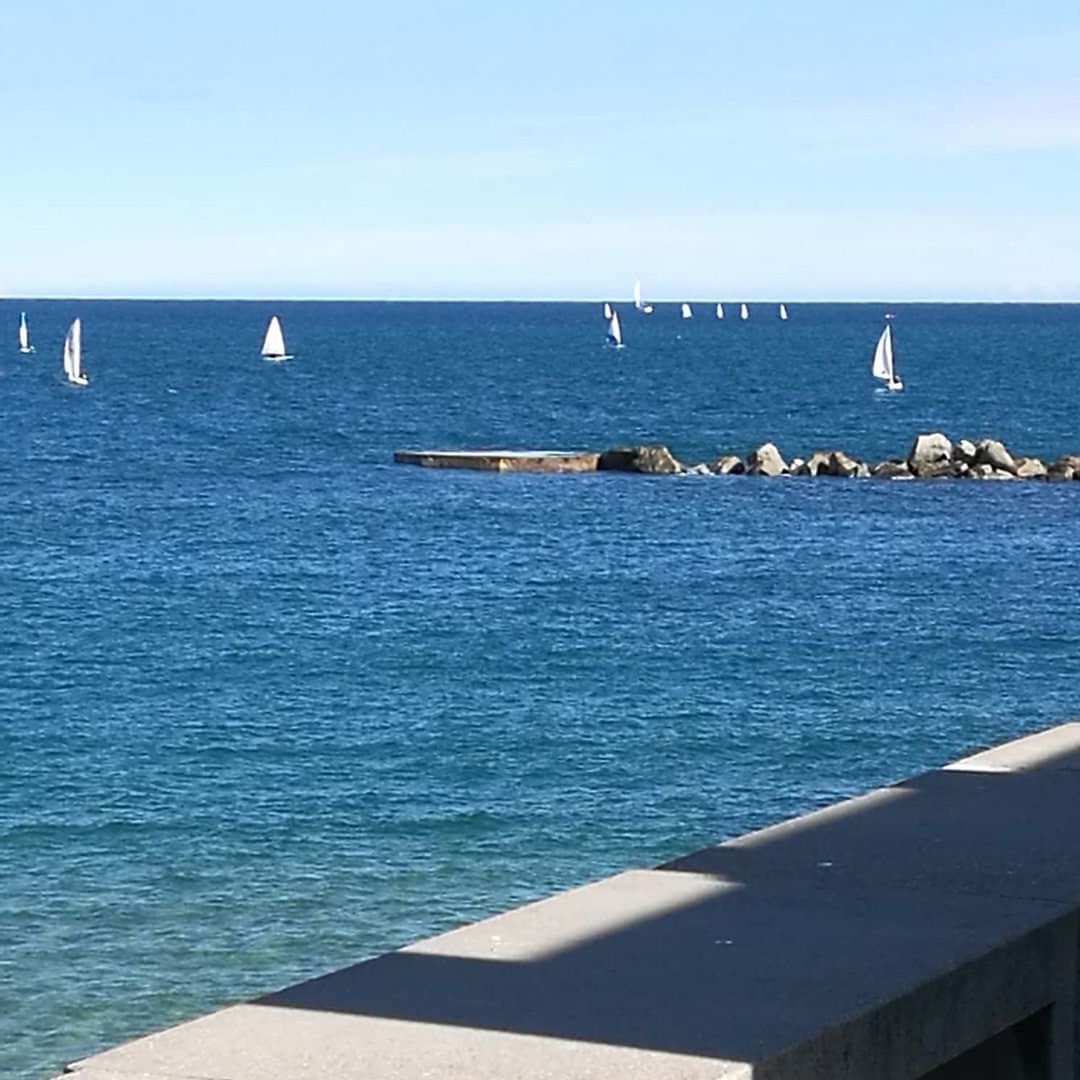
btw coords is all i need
(884, 366)
(645, 309)
(614, 331)
(24, 335)
(719, 311)
(687, 311)
(73, 355)
(783, 312)
(607, 311)
(273, 346)
(744, 312)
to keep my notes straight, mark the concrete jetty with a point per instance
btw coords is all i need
(502, 460)
(927, 929)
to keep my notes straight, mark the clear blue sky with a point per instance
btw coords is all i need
(336, 148)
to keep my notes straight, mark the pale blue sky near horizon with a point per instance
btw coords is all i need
(485, 150)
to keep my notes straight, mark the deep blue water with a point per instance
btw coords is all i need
(271, 703)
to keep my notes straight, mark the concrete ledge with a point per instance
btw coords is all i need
(1053, 750)
(878, 939)
(502, 460)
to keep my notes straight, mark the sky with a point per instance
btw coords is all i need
(771, 149)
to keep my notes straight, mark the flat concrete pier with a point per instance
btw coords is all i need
(927, 929)
(503, 460)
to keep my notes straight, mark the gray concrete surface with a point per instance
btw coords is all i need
(878, 939)
(502, 460)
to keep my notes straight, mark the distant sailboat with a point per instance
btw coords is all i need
(884, 366)
(719, 311)
(645, 309)
(687, 311)
(73, 355)
(614, 332)
(744, 312)
(273, 346)
(783, 312)
(607, 310)
(24, 335)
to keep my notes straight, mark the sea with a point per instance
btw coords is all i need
(271, 703)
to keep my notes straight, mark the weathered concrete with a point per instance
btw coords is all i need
(882, 938)
(503, 460)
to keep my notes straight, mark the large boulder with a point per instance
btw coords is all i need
(929, 452)
(891, 470)
(819, 463)
(834, 463)
(841, 464)
(964, 450)
(643, 458)
(729, 463)
(994, 453)
(943, 471)
(1066, 467)
(1030, 468)
(986, 471)
(766, 460)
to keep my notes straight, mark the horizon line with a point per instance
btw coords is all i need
(511, 300)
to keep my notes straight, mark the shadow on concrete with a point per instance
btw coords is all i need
(747, 949)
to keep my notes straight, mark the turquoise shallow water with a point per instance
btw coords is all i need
(272, 704)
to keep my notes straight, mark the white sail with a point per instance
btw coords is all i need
(637, 295)
(69, 345)
(614, 333)
(73, 354)
(744, 312)
(24, 334)
(274, 342)
(607, 310)
(783, 311)
(687, 311)
(719, 311)
(884, 365)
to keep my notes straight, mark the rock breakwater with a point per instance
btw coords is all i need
(931, 455)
